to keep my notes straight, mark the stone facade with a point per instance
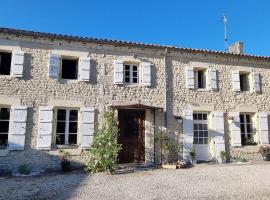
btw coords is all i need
(36, 89)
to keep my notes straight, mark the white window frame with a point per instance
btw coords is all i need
(196, 78)
(67, 121)
(248, 84)
(131, 65)
(61, 67)
(202, 121)
(245, 125)
(8, 107)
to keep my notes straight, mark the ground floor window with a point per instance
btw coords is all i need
(246, 128)
(67, 127)
(4, 127)
(200, 128)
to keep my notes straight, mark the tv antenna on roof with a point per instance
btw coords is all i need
(225, 20)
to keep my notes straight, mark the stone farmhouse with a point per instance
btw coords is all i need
(54, 89)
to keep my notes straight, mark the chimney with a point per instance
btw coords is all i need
(237, 48)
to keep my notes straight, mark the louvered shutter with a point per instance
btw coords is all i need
(84, 69)
(235, 81)
(146, 73)
(212, 77)
(187, 133)
(87, 127)
(54, 64)
(189, 77)
(256, 82)
(235, 129)
(17, 62)
(45, 123)
(263, 128)
(118, 72)
(16, 140)
(219, 134)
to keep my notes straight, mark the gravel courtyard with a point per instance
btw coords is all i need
(229, 181)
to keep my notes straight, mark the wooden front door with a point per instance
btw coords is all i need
(131, 135)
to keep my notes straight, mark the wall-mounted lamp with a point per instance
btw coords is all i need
(179, 119)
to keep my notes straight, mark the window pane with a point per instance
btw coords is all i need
(200, 116)
(135, 74)
(195, 141)
(242, 127)
(127, 73)
(73, 115)
(4, 113)
(194, 116)
(61, 127)
(69, 69)
(249, 129)
(248, 118)
(241, 118)
(5, 63)
(127, 80)
(61, 115)
(195, 133)
(127, 67)
(72, 139)
(204, 116)
(249, 136)
(135, 68)
(200, 140)
(205, 140)
(73, 127)
(3, 141)
(60, 138)
(205, 134)
(4, 126)
(195, 127)
(201, 134)
(135, 80)
(205, 127)
(201, 126)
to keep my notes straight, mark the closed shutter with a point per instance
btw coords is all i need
(256, 82)
(263, 128)
(45, 123)
(87, 127)
(235, 81)
(16, 140)
(118, 72)
(146, 73)
(212, 77)
(84, 69)
(219, 134)
(187, 133)
(54, 64)
(189, 77)
(235, 129)
(17, 62)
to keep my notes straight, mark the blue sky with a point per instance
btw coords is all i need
(189, 23)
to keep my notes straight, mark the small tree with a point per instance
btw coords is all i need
(105, 149)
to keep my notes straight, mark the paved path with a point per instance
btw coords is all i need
(228, 181)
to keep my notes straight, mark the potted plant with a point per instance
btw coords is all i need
(64, 158)
(192, 154)
(265, 152)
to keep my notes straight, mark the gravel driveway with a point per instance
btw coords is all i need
(228, 181)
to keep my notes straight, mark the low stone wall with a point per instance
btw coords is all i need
(246, 152)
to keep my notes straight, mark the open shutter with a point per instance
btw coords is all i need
(189, 77)
(17, 131)
(45, 123)
(263, 128)
(212, 77)
(118, 72)
(187, 133)
(84, 69)
(219, 134)
(87, 127)
(54, 63)
(256, 82)
(146, 73)
(236, 81)
(235, 129)
(17, 62)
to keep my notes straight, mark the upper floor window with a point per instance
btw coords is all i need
(131, 74)
(200, 78)
(5, 63)
(69, 68)
(67, 127)
(244, 81)
(4, 127)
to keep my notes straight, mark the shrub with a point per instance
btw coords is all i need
(23, 169)
(105, 149)
(192, 153)
(265, 149)
(223, 155)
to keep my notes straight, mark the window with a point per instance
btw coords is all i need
(244, 82)
(200, 128)
(69, 69)
(67, 127)
(4, 127)
(246, 128)
(5, 63)
(200, 79)
(131, 74)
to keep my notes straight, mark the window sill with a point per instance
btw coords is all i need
(131, 85)
(67, 146)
